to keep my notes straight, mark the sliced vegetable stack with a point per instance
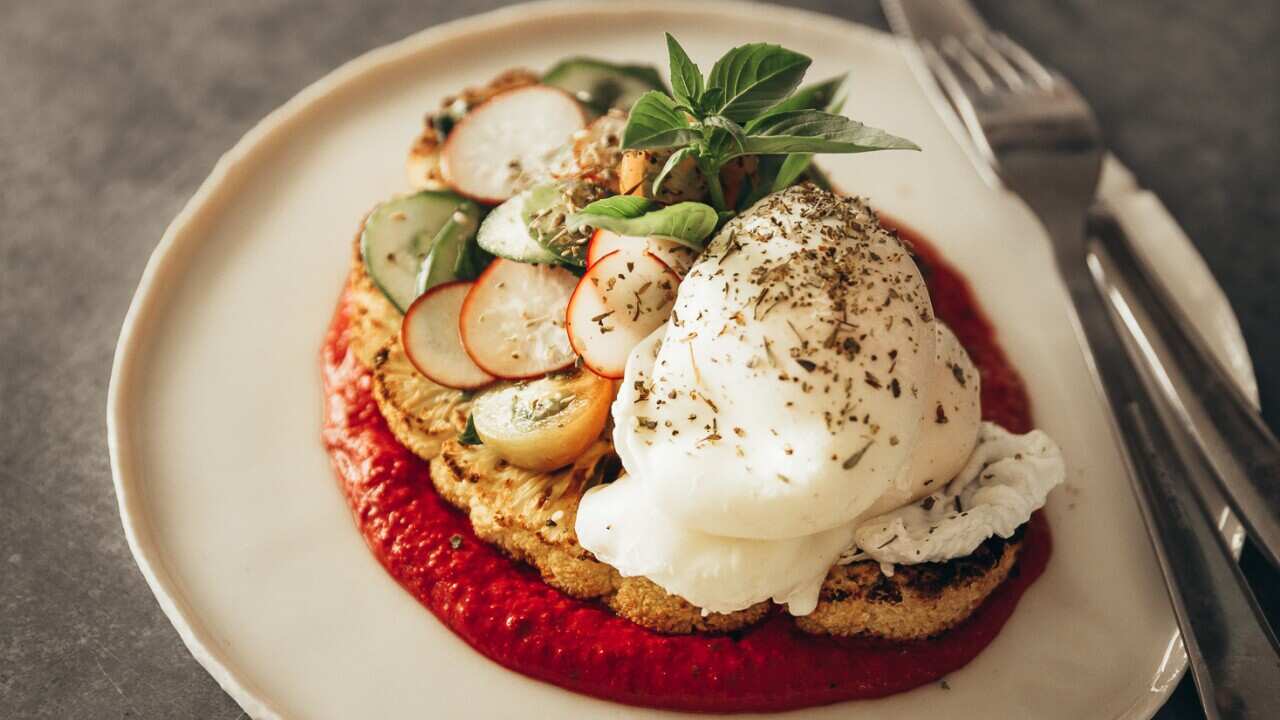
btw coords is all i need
(557, 213)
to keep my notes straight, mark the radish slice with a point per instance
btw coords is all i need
(623, 298)
(429, 334)
(512, 135)
(512, 323)
(674, 255)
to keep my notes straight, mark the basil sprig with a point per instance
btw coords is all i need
(748, 105)
(688, 223)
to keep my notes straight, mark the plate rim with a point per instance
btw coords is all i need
(175, 244)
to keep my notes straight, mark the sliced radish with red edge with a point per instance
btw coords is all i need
(622, 298)
(429, 334)
(515, 133)
(674, 255)
(512, 323)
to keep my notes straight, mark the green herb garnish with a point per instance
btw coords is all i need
(748, 105)
(688, 223)
(469, 436)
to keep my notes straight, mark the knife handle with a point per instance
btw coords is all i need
(1243, 453)
(1230, 646)
(1235, 660)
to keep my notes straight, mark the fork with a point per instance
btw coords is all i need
(1031, 133)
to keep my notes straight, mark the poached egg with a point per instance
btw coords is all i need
(801, 386)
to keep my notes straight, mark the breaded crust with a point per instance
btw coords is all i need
(421, 413)
(531, 515)
(917, 601)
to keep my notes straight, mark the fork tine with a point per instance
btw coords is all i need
(953, 88)
(1024, 60)
(968, 64)
(981, 47)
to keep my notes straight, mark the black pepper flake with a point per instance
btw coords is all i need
(927, 504)
(874, 381)
(940, 415)
(808, 365)
(895, 387)
(958, 372)
(944, 685)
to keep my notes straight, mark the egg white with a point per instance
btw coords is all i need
(764, 430)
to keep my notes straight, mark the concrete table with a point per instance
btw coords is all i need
(111, 112)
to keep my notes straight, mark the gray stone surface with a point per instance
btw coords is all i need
(111, 113)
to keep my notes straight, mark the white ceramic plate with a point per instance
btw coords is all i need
(234, 514)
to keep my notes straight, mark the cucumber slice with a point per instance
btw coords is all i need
(447, 260)
(399, 234)
(546, 214)
(602, 85)
(505, 233)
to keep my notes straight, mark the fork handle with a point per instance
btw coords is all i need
(1234, 657)
(1243, 453)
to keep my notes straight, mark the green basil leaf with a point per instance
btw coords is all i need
(672, 162)
(755, 77)
(711, 99)
(791, 169)
(686, 78)
(688, 223)
(828, 95)
(731, 128)
(814, 131)
(656, 122)
(621, 207)
(469, 436)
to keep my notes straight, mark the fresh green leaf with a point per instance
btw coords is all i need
(731, 128)
(793, 166)
(688, 223)
(469, 436)
(656, 122)
(813, 131)
(755, 77)
(621, 207)
(686, 78)
(672, 162)
(711, 99)
(828, 95)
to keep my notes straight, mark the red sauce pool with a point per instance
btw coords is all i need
(502, 608)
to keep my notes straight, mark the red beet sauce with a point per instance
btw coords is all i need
(504, 610)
